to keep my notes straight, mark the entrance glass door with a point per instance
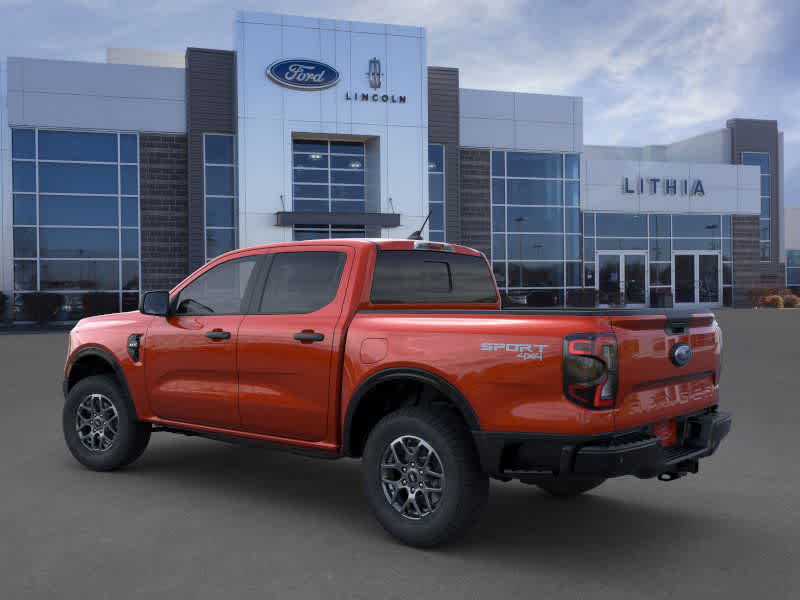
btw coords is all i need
(622, 278)
(696, 278)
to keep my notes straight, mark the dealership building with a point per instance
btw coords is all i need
(124, 176)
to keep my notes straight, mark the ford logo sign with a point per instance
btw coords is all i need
(680, 354)
(303, 74)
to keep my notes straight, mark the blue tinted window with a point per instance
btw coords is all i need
(765, 250)
(572, 247)
(24, 209)
(588, 249)
(81, 146)
(130, 212)
(219, 149)
(23, 143)
(573, 166)
(347, 192)
(793, 258)
(572, 191)
(727, 249)
(310, 146)
(536, 274)
(621, 243)
(529, 164)
(129, 184)
(588, 224)
(660, 249)
(79, 275)
(25, 275)
(356, 177)
(301, 235)
(130, 275)
(498, 218)
(311, 175)
(130, 243)
(219, 241)
(726, 225)
(25, 242)
(660, 226)
(765, 207)
(347, 148)
(498, 247)
(759, 159)
(78, 243)
(77, 179)
(23, 176)
(219, 181)
(128, 149)
(310, 191)
(437, 219)
(348, 206)
(436, 187)
(572, 220)
(625, 225)
(436, 236)
(311, 205)
(498, 164)
(535, 247)
(498, 191)
(573, 274)
(219, 212)
(77, 210)
(535, 219)
(338, 162)
(526, 191)
(435, 158)
(695, 244)
(765, 185)
(319, 161)
(696, 225)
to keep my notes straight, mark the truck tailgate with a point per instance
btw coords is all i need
(652, 387)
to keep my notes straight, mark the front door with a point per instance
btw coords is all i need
(190, 356)
(622, 278)
(697, 278)
(290, 344)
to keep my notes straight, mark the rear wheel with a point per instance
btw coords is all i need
(422, 476)
(566, 487)
(100, 426)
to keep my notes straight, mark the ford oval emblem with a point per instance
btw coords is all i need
(680, 354)
(303, 74)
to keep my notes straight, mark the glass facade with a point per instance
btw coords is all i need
(76, 220)
(761, 160)
(436, 192)
(536, 226)
(219, 167)
(793, 268)
(660, 237)
(328, 176)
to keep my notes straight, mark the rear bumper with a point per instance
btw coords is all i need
(634, 452)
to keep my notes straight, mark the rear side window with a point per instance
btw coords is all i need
(428, 277)
(301, 282)
(219, 291)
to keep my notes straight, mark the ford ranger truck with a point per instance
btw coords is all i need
(398, 352)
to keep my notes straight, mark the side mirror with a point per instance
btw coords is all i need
(155, 303)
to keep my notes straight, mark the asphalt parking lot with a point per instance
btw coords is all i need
(200, 519)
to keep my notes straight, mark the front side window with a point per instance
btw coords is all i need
(301, 282)
(219, 291)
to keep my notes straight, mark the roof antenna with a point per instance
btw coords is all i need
(417, 235)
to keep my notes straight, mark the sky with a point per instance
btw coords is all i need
(649, 72)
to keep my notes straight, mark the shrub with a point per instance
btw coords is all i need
(41, 306)
(790, 301)
(773, 301)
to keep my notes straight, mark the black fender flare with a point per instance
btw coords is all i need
(111, 360)
(443, 386)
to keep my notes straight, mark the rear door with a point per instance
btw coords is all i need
(287, 347)
(653, 385)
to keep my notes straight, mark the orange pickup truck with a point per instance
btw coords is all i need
(398, 352)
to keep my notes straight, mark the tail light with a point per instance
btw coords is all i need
(591, 370)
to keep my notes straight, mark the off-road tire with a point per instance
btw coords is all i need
(130, 439)
(465, 487)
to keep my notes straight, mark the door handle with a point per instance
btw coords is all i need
(218, 334)
(309, 336)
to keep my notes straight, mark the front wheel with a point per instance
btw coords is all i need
(100, 426)
(422, 476)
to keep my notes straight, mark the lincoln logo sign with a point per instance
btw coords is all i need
(670, 187)
(302, 74)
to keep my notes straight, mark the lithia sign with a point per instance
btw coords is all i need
(667, 186)
(307, 74)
